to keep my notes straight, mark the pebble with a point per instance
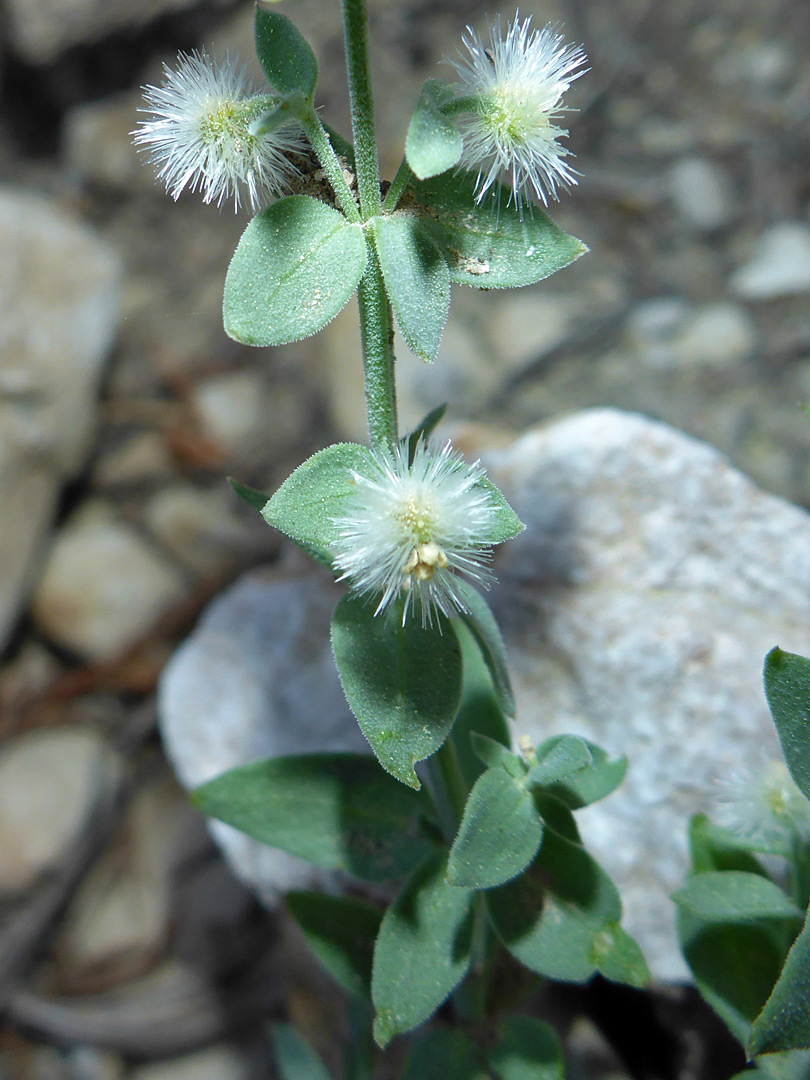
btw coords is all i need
(141, 457)
(700, 192)
(670, 334)
(49, 781)
(637, 608)
(103, 586)
(230, 408)
(59, 291)
(118, 922)
(779, 264)
(201, 527)
(97, 143)
(217, 1062)
(256, 680)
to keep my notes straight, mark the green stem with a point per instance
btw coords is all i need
(398, 185)
(377, 331)
(329, 161)
(451, 789)
(355, 32)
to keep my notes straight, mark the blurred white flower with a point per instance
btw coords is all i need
(198, 134)
(518, 81)
(412, 530)
(762, 805)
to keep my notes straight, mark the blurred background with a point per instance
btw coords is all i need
(124, 940)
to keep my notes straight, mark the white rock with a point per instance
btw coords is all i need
(651, 582)
(49, 781)
(102, 586)
(779, 264)
(701, 193)
(41, 29)
(257, 680)
(59, 288)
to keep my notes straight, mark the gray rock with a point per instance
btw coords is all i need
(103, 586)
(779, 264)
(638, 607)
(49, 781)
(701, 193)
(40, 29)
(59, 288)
(257, 680)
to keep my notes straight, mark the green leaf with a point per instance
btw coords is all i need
(403, 683)
(295, 268)
(494, 753)
(295, 1059)
(735, 966)
(559, 758)
(416, 279)
(506, 525)
(733, 896)
(340, 930)
(787, 686)
(490, 245)
(499, 834)
(256, 498)
(618, 957)
(309, 501)
(595, 782)
(434, 143)
(549, 917)
(443, 1054)
(425, 429)
(528, 1050)
(784, 1023)
(422, 952)
(792, 1065)
(482, 624)
(285, 55)
(336, 810)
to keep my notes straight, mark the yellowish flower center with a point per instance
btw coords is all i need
(425, 560)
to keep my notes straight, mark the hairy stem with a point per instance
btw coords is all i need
(377, 331)
(330, 163)
(355, 32)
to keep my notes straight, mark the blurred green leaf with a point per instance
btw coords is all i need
(434, 143)
(787, 686)
(784, 1023)
(528, 1050)
(734, 896)
(295, 1059)
(443, 1054)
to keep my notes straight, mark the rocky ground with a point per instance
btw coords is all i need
(127, 949)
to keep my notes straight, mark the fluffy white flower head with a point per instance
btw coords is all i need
(518, 79)
(198, 134)
(762, 804)
(414, 531)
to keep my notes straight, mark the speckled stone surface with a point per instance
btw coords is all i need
(638, 607)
